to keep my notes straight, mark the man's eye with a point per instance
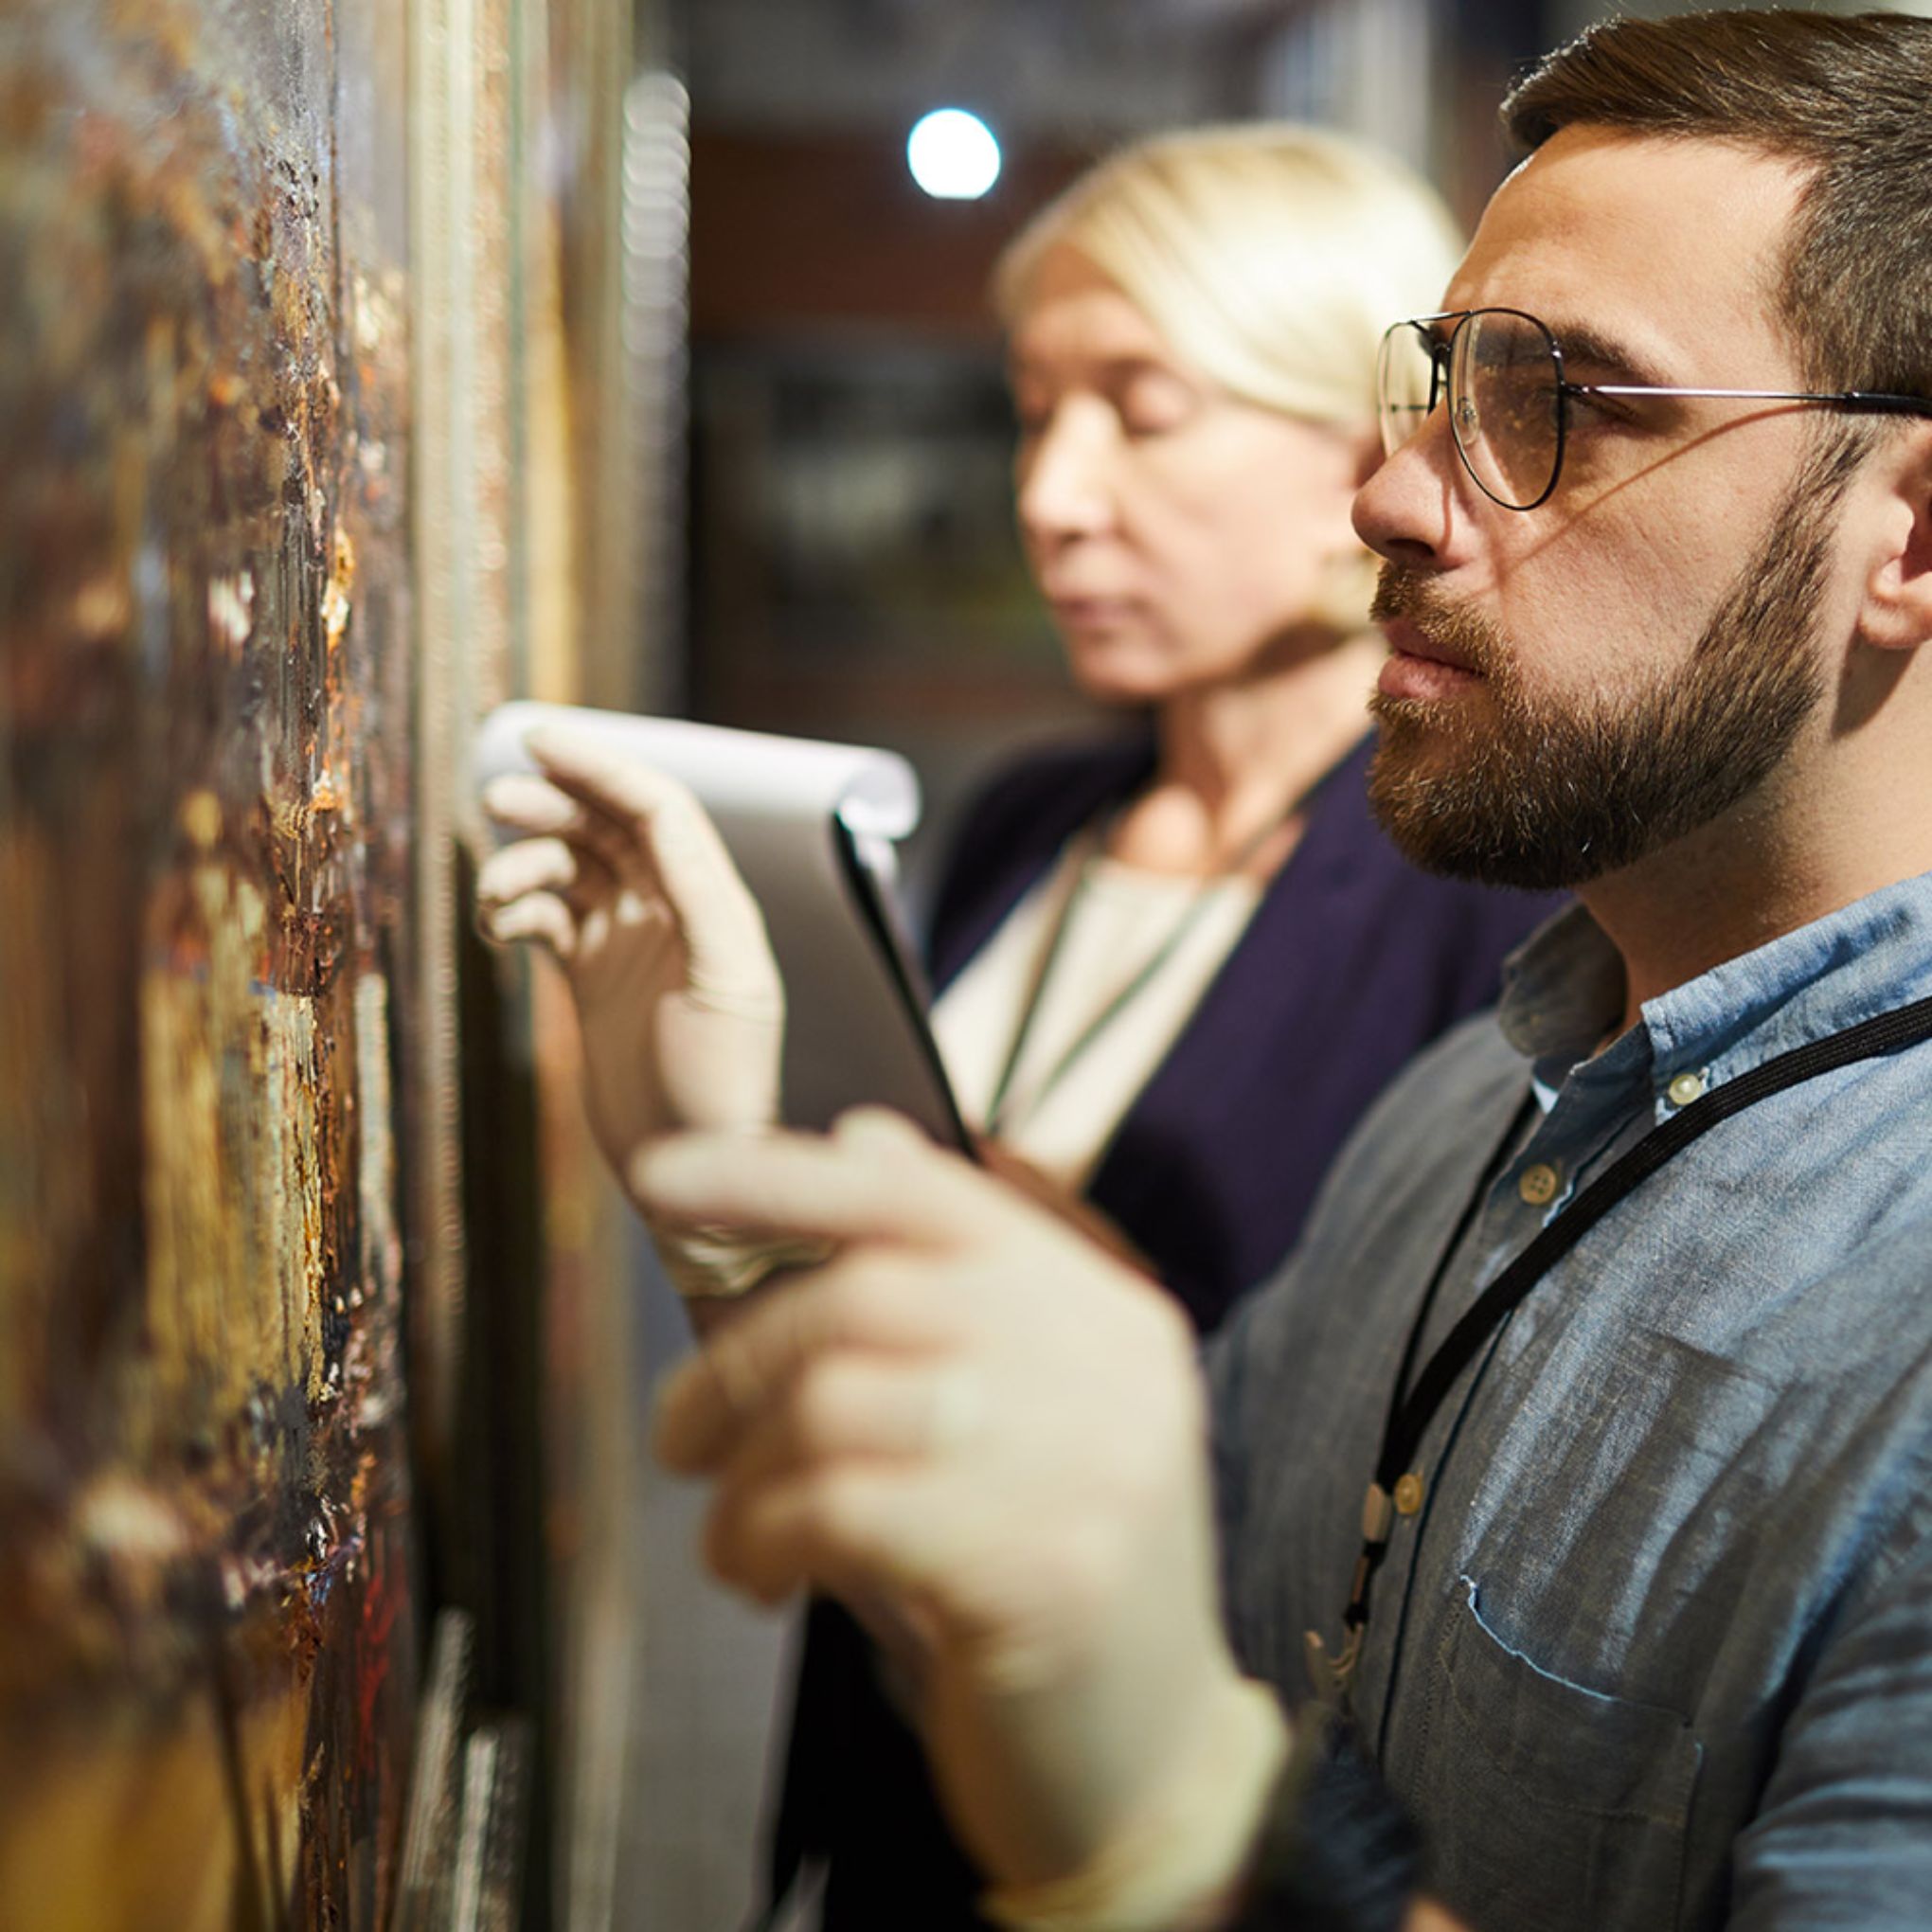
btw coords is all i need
(1588, 406)
(1518, 408)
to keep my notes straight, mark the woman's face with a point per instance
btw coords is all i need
(1183, 538)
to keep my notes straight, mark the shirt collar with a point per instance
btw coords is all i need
(1564, 990)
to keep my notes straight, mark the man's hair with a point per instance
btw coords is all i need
(1848, 99)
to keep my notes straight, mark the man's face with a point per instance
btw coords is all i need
(1575, 687)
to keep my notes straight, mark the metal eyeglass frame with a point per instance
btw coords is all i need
(1441, 351)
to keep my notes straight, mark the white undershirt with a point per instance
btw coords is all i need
(1120, 921)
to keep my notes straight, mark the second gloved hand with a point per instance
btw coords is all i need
(617, 871)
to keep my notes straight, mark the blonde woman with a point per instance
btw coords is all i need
(1177, 961)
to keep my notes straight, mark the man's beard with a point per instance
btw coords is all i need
(1541, 796)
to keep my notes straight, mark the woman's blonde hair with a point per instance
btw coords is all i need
(1270, 256)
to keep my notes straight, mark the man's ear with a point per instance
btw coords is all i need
(1896, 613)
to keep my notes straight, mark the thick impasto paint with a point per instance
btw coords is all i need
(206, 1601)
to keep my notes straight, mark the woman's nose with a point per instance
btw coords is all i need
(1066, 476)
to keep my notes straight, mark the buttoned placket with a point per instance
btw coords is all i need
(1588, 1111)
(1582, 1118)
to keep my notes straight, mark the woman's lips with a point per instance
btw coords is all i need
(1092, 613)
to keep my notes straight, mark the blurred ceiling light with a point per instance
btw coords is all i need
(953, 154)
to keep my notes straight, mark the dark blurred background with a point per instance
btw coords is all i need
(851, 569)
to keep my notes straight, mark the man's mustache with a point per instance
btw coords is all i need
(1401, 592)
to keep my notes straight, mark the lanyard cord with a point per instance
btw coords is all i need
(1398, 1486)
(996, 1108)
(1134, 986)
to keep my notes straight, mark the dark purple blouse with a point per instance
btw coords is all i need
(1352, 963)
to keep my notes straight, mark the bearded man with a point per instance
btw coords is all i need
(1584, 1451)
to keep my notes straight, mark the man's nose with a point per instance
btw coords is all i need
(1067, 475)
(1415, 508)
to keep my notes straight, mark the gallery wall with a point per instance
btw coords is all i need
(314, 1553)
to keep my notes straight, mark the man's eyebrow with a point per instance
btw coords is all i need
(1610, 361)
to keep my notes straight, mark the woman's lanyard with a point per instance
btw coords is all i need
(1399, 1487)
(998, 1108)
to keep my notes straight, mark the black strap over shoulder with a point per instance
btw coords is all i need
(1397, 1484)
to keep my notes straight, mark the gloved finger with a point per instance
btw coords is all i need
(586, 794)
(541, 916)
(672, 835)
(523, 802)
(875, 1179)
(846, 1406)
(543, 864)
(878, 1130)
(840, 1416)
(624, 790)
(532, 807)
(711, 1405)
(859, 1532)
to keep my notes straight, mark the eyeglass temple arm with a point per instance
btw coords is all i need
(1851, 399)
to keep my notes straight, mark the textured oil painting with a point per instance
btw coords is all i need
(317, 1423)
(207, 1635)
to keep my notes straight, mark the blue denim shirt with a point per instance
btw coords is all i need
(1656, 1650)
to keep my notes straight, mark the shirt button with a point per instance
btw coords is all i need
(1539, 1184)
(1686, 1088)
(1410, 1491)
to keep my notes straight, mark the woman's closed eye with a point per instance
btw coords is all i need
(1153, 402)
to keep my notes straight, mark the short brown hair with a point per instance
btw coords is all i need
(1849, 97)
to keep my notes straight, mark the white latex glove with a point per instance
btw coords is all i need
(618, 872)
(982, 1432)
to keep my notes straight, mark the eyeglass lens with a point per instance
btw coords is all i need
(1505, 399)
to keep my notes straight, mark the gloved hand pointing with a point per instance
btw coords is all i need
(988, 1438)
